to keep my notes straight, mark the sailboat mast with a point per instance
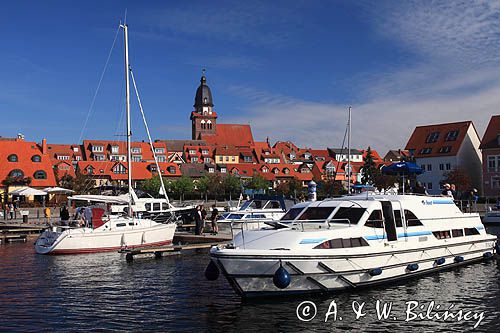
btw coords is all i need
(129, 130)
(349, 153)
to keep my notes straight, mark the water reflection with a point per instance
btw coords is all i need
(84, 292)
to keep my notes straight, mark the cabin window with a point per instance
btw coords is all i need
(471, 231)
(397, 218)
(131, 223)
(457, 232)
(275, 204)
(118, 225)
(411, 219)
(348, 215)
(235, 216)
(292, 214)
(442, 234)
(375, 220)
(164, 206)
(340, 243)
(256, 216)
(156, 206)
(148, 207)
(316, 213)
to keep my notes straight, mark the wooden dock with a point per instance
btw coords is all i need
(192, 242)
(16, 233)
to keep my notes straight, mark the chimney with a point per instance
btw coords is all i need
(44, 146)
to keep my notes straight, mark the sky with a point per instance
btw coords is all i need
(289, 68)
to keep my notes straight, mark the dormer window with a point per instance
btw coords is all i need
(425, 151)
(432, 137)
(40, 174)
(211, 170)
(223, 170)
(119, 169)
(444, 150)
(135, 150)
(171, 169)
(192, 151)
(265, 170)
(451, 136)
(12, 158)
(159, 150)
(286, 171)
(90, 170)
(114, 149)
(17, 173)
(36, 158)
(97, 149)
(204, 151)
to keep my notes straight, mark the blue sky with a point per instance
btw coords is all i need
(289, 68)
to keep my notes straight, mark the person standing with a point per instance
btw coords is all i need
(447, 191)
(47, 213)
(213, 219)
(203, 213)
(197, 220)
(64, 214)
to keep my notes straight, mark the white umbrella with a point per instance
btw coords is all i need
(57, 190)
(27, 191)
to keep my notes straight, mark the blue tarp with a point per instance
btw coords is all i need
(402, 168)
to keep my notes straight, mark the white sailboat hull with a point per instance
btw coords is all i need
(105, 239)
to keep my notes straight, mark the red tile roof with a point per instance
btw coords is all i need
(235, 135)
(490, 138)
(418, 144)
(25, 150)
(140, 170)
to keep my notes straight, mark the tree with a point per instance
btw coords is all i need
(330, 188)
(257, 182)
(81, 183)
(458, 177)
(182, 186)
(151, 186)
(231, 185)
(369, 168)
(211, 183)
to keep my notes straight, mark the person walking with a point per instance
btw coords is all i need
(213, 219)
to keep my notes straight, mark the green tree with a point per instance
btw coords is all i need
(182, 186)
(369, 169)
(330, 188)
(458, 177)
(151, 186)
(231, 185)
(257, 182)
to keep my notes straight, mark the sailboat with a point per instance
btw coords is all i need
(110, 232)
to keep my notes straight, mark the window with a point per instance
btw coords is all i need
(441, 166)
(171, 169)
(159, 150)
(471, 231)
(348, 215)
(156, 206)
(135, 150)
(194, 159)
(16, 173)
(340, 243)
(451, 135)
(495, 182)
(119, 225)
(12, 158)
(97, 149)
(247, 159)
(148, 206)
(136, 158)
(265, 170)
(429, 186)
(63, 157)
(192, 151)
(78, 158)
(411, 219)
(114, 149)
(233, 158)
(164, 206)
(493, 163)
(286, 171)
(457, 232)
(36, 158)
(223, 170)
(425, 151)
(212, 170)
(448, 166)
(445, 149)
(204, 151)
(161, 158)
(207, 160)
(90, 170)
(291, 214)
(227, 158)
(442, 234)
(99, 157)
(235, 216)
(429, 167)
(40, 174)
(317, 213)
(375, 219)
(397, 218)
(276, 171)
(432, 137)
(119, 169)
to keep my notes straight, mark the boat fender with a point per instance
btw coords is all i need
(281, 278)
(440, 261)
(212, 271)
(487, 255)
(375, 271)
(412, 267)
(459, 259)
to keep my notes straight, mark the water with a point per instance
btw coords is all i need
(103, 291)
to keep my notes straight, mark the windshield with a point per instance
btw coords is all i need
(348, 215)
(235, 216)
(291, 214)
(317, 213)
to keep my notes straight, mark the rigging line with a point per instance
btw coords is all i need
(341, 151)
(149, 137)
(99, 85)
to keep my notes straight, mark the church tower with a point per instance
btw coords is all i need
(203, 118)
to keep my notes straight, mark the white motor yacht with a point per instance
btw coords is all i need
(351, 242)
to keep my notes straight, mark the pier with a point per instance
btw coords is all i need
(185, 241)
(19, 232)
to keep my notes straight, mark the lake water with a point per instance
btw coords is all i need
(103, 291)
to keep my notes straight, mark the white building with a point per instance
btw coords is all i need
(441, 148)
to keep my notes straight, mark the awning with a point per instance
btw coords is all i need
(27, 191)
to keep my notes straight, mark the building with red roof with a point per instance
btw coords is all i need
(490, 149)
(441, 148)
(24, 163)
